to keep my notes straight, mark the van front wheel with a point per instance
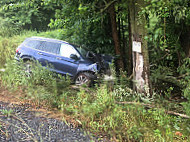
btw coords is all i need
(84, 78)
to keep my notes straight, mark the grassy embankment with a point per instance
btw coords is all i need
(97, 109)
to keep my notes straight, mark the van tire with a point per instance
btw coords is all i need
(28, 67)
(84, 78)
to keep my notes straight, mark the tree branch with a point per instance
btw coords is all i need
(177, 114)
(107, 5)
(171, 79)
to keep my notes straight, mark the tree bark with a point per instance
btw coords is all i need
(130, 62)
(185, 41)
(124, 43)
(116, 37)
(141, 69)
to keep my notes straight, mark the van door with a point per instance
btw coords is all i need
(47, 53)
(65, 63)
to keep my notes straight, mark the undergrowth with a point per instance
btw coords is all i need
(98, 109)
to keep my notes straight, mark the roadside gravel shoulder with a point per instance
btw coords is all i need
(21, 122)
(17, 124)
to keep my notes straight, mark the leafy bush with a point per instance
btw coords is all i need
(7, 28)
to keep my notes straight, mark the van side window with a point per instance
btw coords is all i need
(32, 43)
(66, 50)
(51, 47)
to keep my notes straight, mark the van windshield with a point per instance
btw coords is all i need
(82, 51)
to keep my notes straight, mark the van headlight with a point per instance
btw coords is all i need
(94, 67)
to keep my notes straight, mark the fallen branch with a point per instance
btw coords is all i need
(171, 79)
(136, 103)
(177, 114)
(153, 106)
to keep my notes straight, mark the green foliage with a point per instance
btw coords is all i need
(83, 24)
(184, 71)
(7, 28)
(165, 26)
(187, 95)
(8, 48)
(33, 14)
(97, 109)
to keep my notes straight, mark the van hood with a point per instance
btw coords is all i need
(103, 61)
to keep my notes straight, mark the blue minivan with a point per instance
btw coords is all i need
(64, 58)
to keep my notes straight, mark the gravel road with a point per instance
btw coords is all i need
(17, 124)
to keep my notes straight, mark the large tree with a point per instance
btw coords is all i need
(141, 69)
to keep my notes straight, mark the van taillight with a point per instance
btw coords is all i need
(17, 50)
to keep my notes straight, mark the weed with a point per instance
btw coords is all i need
(6, 112)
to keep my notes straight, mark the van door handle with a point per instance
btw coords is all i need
(58, 58)
(40, 53)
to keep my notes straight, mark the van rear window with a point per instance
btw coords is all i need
(51, 47)
(33, 43)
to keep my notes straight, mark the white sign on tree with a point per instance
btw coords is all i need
(137, 46)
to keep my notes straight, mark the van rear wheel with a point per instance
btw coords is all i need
(28, 67)
(84, 78)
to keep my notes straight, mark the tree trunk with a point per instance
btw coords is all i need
(116, 37)
(124, 42)
(130, 62)
(185, 42)
(141, 70)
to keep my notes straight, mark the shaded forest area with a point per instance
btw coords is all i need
(110, 27)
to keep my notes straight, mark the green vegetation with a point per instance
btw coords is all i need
(99, 109)
(107, 109)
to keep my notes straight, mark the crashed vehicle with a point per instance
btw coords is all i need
(63, 58)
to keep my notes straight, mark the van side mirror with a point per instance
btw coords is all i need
(74, 56)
